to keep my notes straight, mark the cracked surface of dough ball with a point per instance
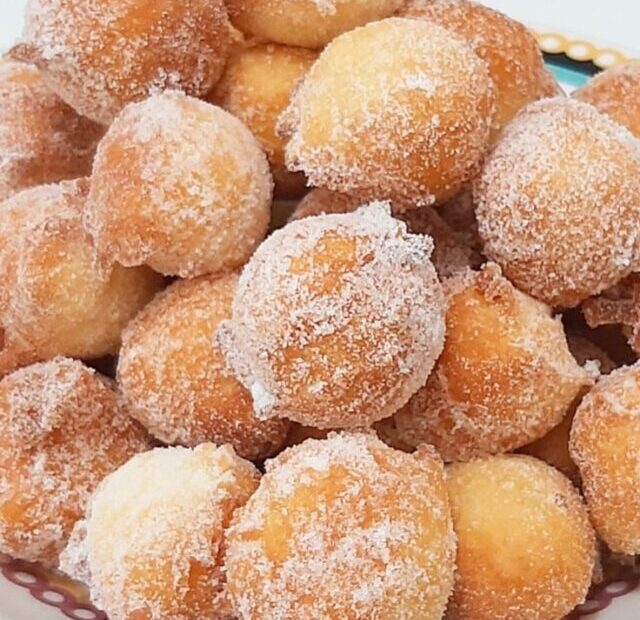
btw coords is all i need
(62, 430)
(174, 378)
(307, 23)
(42, 140)
(505, 377)
(153, 540)
(605, 444)
(256, 87)
(616, 92)
(511, 52)
(337, 320)
(525, 546)
(100, 55)
(179, 185)
(558, 202)
(344, 528)
(53, 301)
(399, 109)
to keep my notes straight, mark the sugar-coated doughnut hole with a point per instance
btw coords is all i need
(256, 87)
(53, 301)
(62, 430)
(179, 185)
(605, 444)
(505, 378)
(526, 525)
(154, 536)
(337, 319)
(511, 52)
(553, 448)
(344, 528)
(616, 92)
(307, 23)
(451, 252)
(99, 55)
(42, 140)
(558, 202)
(525, 546)
(399, 109)
(174, 379)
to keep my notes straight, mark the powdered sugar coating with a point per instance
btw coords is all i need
(256, 87)
(399, 109)
(558, 202)
(337, 319)
(62, 429)
(344, 528)
(450, 253)
(526, 549)
(616, 92)
(605, 444)
(505, 377)
(511, 52)
(179, 185)
(155, 533)
(99, 55)
(307, 23)
(42, 140)
(53, 301)
(174, 378)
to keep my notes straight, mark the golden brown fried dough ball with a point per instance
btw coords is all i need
(605, 444)
(62, 430)
(344, 528)
(505, 377)
(511, 52)
(99, 55)
(337, 320)
(399, 109)
(154, 536)
(53, 301)
(553, 448)
(616, 92)
(174, 379)
(525, 546)
(42, 140)
(558, 202)
(307, 23)
(257, 87)
(179, 185)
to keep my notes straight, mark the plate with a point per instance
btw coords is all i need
(28, 592)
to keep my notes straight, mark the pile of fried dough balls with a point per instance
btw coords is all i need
(412, 400)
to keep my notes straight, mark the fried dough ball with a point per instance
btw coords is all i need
(179, 185)
(553, 448)
(52, 299)
(307, 23)
(451, 252)
(42, 140)
(62, 430)
(511, 52)
(399, 109)
(174, 379)
(337, 320)
(505, 377)
(344, 528)
(616, 92)
(155, 533)
(256, 87)
(558, 202)
(99, 55)
(605, 444)
(525, 546)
